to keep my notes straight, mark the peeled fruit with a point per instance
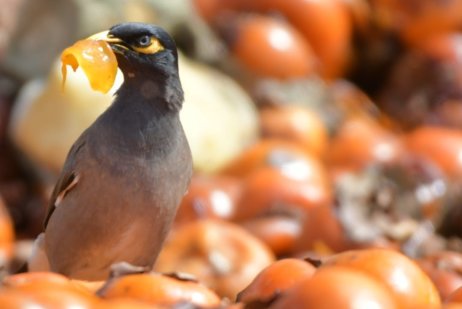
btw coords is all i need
(278, 231)
(322, 232)
(209, 196)
(35, 279)
(16, 300)
(46, 289)
(61, 298)
(323, 31)
(295, 123)
(361, 141)
(222, 255)
(97, 60)
(299, 185)
(324, 24)
(442, 146)
(403, 277)
(272, 48)
(259, 155)
(337, 287)
(276, 278)
(34, 282)
(157, 289)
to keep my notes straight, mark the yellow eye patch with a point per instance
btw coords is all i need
(154, 47)
(97, 60)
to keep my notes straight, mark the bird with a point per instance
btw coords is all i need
(124, 177)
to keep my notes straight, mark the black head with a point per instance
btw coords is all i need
(148, 58)
(143, 47)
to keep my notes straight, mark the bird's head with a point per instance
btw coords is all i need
(141, 47)
(146, 55)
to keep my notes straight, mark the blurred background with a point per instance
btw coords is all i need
(315, 126)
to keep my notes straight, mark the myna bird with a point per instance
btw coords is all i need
(124, 177)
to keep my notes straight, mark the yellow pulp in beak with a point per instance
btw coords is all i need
(97, 61)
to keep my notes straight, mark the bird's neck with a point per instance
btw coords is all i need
(137, 123)
(164, 91)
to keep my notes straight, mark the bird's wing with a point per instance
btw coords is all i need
(68, 179)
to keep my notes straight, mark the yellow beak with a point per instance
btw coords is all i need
(104, 36)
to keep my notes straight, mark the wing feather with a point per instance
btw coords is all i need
(68, 179)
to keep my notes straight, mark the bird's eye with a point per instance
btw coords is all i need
(144, 41)
(147, 44)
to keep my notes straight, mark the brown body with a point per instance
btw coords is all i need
(119, 210)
